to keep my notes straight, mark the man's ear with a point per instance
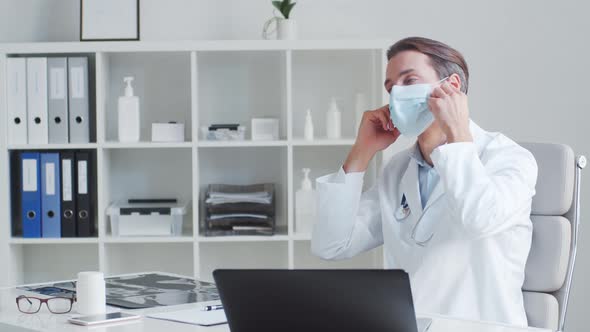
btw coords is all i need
(455, 81)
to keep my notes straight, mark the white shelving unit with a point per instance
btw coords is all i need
(198, 83)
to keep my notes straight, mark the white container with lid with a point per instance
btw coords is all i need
(147, 218)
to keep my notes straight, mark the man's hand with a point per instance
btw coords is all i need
(448, 104)
(376, 133)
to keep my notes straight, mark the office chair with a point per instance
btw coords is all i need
(556, 216)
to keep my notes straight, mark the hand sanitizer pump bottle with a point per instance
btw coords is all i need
(305, 205)
(128, 109)
(333, 118)
(308, 129)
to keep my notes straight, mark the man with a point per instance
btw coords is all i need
(453, 210)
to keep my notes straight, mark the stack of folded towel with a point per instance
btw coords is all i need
(240, 210)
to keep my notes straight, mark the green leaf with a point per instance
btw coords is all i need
(278, 5)
(284, 7)
(288, 8)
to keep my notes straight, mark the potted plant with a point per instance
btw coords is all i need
(286, 27)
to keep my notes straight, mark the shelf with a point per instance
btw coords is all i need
(64, 240)
(318, 77)
(139, 173)
(60, 261)
(246, 143)
(148, 239)
(295, 142)
(280, 235)
(188, 82)
(323, 142)
(241, 166)
(162, 84)
(191, 45)
(301, 237)
(257, 83)
(146, 145)
(244, 238)
(65, 146)
(330, 162)
(123, 258)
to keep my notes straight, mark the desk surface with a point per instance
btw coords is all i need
(45, 321)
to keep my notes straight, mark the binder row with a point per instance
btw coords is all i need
(47, 100)
(54, 191)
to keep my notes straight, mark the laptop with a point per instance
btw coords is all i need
(317, 300)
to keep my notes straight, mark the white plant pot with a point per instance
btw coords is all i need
(287, 29)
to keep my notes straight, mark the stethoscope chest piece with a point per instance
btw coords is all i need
(403, 211)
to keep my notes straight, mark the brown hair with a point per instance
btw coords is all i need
(444, 59)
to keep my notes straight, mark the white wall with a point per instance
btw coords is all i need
(528, 59)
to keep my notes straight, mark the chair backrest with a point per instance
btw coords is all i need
(555, 216)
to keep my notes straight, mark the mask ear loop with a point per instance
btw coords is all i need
(432, 86)
(444, 79)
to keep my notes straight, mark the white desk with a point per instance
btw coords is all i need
(45, 321)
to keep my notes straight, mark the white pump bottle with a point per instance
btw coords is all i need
(308, 129)
(333, 121)
(128, 114)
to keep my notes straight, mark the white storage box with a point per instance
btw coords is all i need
(265, 129)
(168, 132)
(147, 219)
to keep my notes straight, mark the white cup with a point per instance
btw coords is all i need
(91, 293)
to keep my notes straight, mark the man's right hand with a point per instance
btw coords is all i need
(376, 133)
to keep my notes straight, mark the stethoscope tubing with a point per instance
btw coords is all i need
(413, 233)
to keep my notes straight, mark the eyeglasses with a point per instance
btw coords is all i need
(56, 305)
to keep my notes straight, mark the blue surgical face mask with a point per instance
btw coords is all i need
(408, 108)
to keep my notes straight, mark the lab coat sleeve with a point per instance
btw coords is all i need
(348, 220)
(484, 198)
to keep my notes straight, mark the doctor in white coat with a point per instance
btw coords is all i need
(453, 210)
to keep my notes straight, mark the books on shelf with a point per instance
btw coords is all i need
(30, 194)
(48, 100)
(37, 128)
(57, 109)
(52, 194)
(16, 100)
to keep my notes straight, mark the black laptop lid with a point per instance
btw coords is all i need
(316, 300)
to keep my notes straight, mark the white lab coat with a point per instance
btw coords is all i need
(478, 215)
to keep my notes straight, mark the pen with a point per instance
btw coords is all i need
(212, 307)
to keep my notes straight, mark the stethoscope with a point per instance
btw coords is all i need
(403, 211)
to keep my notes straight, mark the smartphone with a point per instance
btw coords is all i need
(103, 318)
